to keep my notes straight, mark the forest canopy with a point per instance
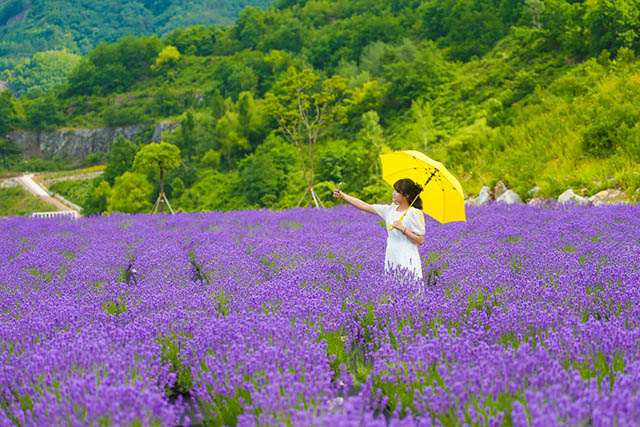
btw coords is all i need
(536, 94)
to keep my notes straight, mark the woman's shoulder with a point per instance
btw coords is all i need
(417, 214)
(416, 211)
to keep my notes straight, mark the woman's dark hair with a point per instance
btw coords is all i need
(410, 190)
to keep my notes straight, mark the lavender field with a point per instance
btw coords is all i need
(527, 316)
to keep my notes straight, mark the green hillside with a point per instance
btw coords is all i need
(16, 201)
(531, 93)
(77, 26)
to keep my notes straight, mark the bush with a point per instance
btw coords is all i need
(76, 191)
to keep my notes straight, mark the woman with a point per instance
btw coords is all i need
(405, 236)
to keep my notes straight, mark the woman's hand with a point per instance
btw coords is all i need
(338, 194)
(413, 237)
(398, 225)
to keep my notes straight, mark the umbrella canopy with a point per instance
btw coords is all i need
(442, 197)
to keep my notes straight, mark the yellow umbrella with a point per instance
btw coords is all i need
(442, 197)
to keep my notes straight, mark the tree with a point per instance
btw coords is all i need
(213, 191)
(250, 120)
(98, 200)
(216, 103)
(11, 112)
(372, 135)
(44, 111)
(119, 158)
(177, 185)
(163, 156)
(423, 126)
(196, 40)
(305, 108)
(43, 72)
(614, 24)
(10, 154)
(249, 28)
(229, 140)
(114, 67)
(169, 56)
(187, 134)
(266, 173)
(130, 194)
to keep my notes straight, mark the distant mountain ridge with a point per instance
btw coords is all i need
(30, 26)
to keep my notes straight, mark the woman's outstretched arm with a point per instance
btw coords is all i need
(355, 202)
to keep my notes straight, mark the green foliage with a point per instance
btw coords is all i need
(78, 26)
(413, 72)
(43, 112)
(249, 28)
(213, 191)
(167, 57)
(95, 158)
(508, 90)
(16, 201)
(467, 28)
(114, 68)
(304, 106)
(42, 72)
(177, 186)
(163, 156)
(130, 194)
(196, 40)
(10, 155)
(76, 191)
(265, 175)
(119, 158)
(97, 200)
(167, 102)
(185, 137)
(37, 164)
(211, 159)
(614, 24)
(353, 163)
(11, 112)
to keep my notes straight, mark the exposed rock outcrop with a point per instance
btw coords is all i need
(509, 197)
(78, 143)
(609, 196)
(570, 196)
(533, 193)
(500, 193)
(161, 128)
(483, 197)
(540, 202)
(499, 190)
(17, 19)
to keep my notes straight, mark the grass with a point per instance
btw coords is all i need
(14, 201)
(75, 191)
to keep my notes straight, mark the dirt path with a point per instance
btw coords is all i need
(34, 188)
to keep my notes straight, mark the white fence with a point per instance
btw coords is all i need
(68, 203)
(72, 214)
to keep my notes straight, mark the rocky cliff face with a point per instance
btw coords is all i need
(78, 143)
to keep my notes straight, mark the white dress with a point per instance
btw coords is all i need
(402, 252)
